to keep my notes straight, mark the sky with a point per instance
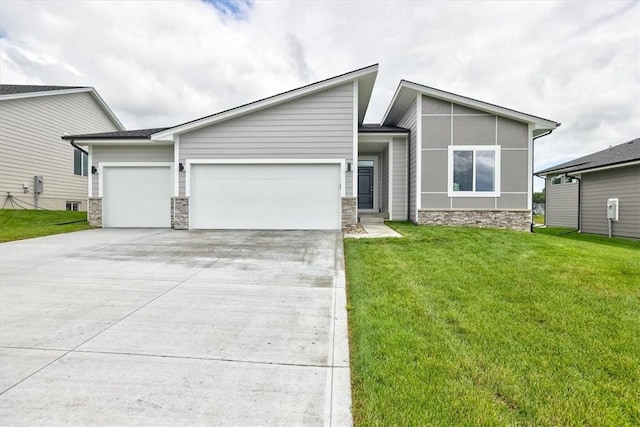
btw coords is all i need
(160, 63)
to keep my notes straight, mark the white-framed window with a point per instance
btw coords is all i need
(556, 180)
(569, 179)
(73, 206)
(474, 171)
(80, 163)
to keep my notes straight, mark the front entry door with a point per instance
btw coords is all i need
(365, 187)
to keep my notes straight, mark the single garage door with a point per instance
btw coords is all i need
(136, 196)
(265, 196)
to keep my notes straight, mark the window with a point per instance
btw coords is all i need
(474, 170)
(73, 206)
(569, 179)
(556, 180)
(80, 163)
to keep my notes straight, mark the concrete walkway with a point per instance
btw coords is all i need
(162, 327)
(374, 230)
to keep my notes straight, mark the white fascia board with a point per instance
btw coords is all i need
(538, 122)
(167, 135)
(391, 104)
(374, 134)
(91, 90)
(601, 168)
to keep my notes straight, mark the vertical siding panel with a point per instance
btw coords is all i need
(30, 144)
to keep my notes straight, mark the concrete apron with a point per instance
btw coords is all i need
(162, 327)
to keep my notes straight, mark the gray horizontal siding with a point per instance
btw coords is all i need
(30, 144)
(399, 179)
(317, 126)
(130, 153)
(597, 187)
(409, 121)
(561, 205)
(384, 199)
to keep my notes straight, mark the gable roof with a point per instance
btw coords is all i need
(10, 91)
(407, 91)
(365, 76)
(618, 155)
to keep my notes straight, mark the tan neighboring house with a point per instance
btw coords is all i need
(32, 119)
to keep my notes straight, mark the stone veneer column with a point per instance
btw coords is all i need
(513, 220)
(180, 213)
(94, 211)
(349, 212)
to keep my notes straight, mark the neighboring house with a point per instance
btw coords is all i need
(303, 159)
(32, 118)
(578, 191)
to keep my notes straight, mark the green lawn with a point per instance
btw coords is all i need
(467, 326)
(25, 224)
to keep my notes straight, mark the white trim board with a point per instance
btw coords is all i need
(376, 189)
(189, 162)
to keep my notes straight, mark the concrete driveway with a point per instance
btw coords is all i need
(164, 327)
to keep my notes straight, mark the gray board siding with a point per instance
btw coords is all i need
(399, 179)
(622, 183)
(561, 209)
(384, 189)
(317, 126)
(30, 144)
(445, 124)
(128, 153)
(409, 121)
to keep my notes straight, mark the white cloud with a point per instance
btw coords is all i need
(161, 63)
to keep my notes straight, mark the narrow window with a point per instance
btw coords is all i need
(80, 163)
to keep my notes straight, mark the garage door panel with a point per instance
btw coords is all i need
(265, 196)
(136, 197)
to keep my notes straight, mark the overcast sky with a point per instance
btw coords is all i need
(162, 63)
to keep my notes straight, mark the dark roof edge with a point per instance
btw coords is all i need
(583, 167)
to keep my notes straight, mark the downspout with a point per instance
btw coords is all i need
(74, 145)
(409, 178)
(532, 181)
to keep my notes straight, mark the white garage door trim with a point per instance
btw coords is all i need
(189, 162)
(168, 166)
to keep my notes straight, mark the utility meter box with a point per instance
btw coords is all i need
(612, 209)
(38, 184)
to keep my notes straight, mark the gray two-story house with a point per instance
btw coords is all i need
(304, 159)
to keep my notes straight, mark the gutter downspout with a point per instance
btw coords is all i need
(545, 181)
(74, 145)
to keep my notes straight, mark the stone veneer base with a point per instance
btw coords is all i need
(513, 220)
(94, 211)
(349, 212)
(180, 213)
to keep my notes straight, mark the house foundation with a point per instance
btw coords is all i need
(513, 220)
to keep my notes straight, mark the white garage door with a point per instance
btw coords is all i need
(265, 196)
(136, 197)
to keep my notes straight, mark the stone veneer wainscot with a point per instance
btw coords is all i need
(513, 220)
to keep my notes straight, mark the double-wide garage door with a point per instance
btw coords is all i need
(265, 196)
(136, 196)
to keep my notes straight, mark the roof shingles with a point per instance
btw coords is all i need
(623, 153)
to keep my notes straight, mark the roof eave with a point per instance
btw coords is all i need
(540, 124)
(363, 101)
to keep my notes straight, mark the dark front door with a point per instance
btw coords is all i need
(365, 187)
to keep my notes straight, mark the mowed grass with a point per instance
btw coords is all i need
(25, 224)
(468, 326)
